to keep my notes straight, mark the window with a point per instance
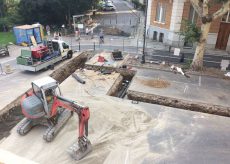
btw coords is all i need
(55, 46)
(155, 35)
(226, 18)
(192, 15)
(65, 46)
(161, 12)
(161, 37)
(37, 90)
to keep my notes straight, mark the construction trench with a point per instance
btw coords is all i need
(130, 128)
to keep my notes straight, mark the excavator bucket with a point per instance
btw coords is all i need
(77, 152)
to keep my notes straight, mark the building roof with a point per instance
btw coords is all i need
(25, 27)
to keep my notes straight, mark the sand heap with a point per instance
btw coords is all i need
(117, 129)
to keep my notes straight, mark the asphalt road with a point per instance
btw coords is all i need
(124, 18)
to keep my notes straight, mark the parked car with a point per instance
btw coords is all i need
(109, 7)
(108, 1)
(4, 51)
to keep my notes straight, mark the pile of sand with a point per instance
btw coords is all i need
(114, 31)
(122, 132)
(117, 130)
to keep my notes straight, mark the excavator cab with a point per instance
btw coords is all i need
(45, 89)
(37, 106)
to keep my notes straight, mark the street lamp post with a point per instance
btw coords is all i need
(144, 35)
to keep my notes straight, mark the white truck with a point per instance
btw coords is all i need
(43, 57)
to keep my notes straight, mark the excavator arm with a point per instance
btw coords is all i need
(83, 147)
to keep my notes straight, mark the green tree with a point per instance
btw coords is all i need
(8, 14)
(202, 8)
(54, 12)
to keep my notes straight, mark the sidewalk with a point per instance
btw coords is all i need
(196, 88)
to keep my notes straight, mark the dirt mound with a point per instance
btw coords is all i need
(156, 83)
(114, 31)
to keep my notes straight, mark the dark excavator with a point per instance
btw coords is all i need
(44, 105)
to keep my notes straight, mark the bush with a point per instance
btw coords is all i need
(138, 5)
(190, 31)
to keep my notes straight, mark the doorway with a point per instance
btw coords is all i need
(223, 36)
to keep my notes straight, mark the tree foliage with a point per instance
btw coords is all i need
(8, 14)
(190, 32)
(54, 12)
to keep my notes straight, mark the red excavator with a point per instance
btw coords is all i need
(44, 105)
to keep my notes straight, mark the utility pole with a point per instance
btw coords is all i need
(144, 35)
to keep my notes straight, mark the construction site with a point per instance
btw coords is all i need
(137, 115)
(114, 82)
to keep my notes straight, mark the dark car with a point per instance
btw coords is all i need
(4, 51)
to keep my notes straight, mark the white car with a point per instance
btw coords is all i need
(109, 7)
(108, 1)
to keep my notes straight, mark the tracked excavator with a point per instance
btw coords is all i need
(45, 105)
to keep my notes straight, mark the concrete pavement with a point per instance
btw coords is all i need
(196, 88)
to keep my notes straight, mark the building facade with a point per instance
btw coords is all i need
(164, 19)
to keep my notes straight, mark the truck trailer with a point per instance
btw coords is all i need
(44, 56)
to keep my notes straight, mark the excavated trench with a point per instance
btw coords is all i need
(179, 103)
(121, 84)
(11, 114)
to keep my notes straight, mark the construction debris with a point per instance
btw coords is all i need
(117, 55)
(227, 74)
(8, 69)
(106, 71)
(154, 62)
(80, 80)
(106, 59)
(178, 70)
(101, 59)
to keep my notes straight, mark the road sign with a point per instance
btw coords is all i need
(176, 52)
(80, 26)
(224, 64)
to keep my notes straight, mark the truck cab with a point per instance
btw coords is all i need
(44, 91)
(63, 48)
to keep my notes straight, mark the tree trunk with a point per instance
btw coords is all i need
(197, 63)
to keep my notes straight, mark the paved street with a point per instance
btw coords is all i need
(196, 88)
(125, 17)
